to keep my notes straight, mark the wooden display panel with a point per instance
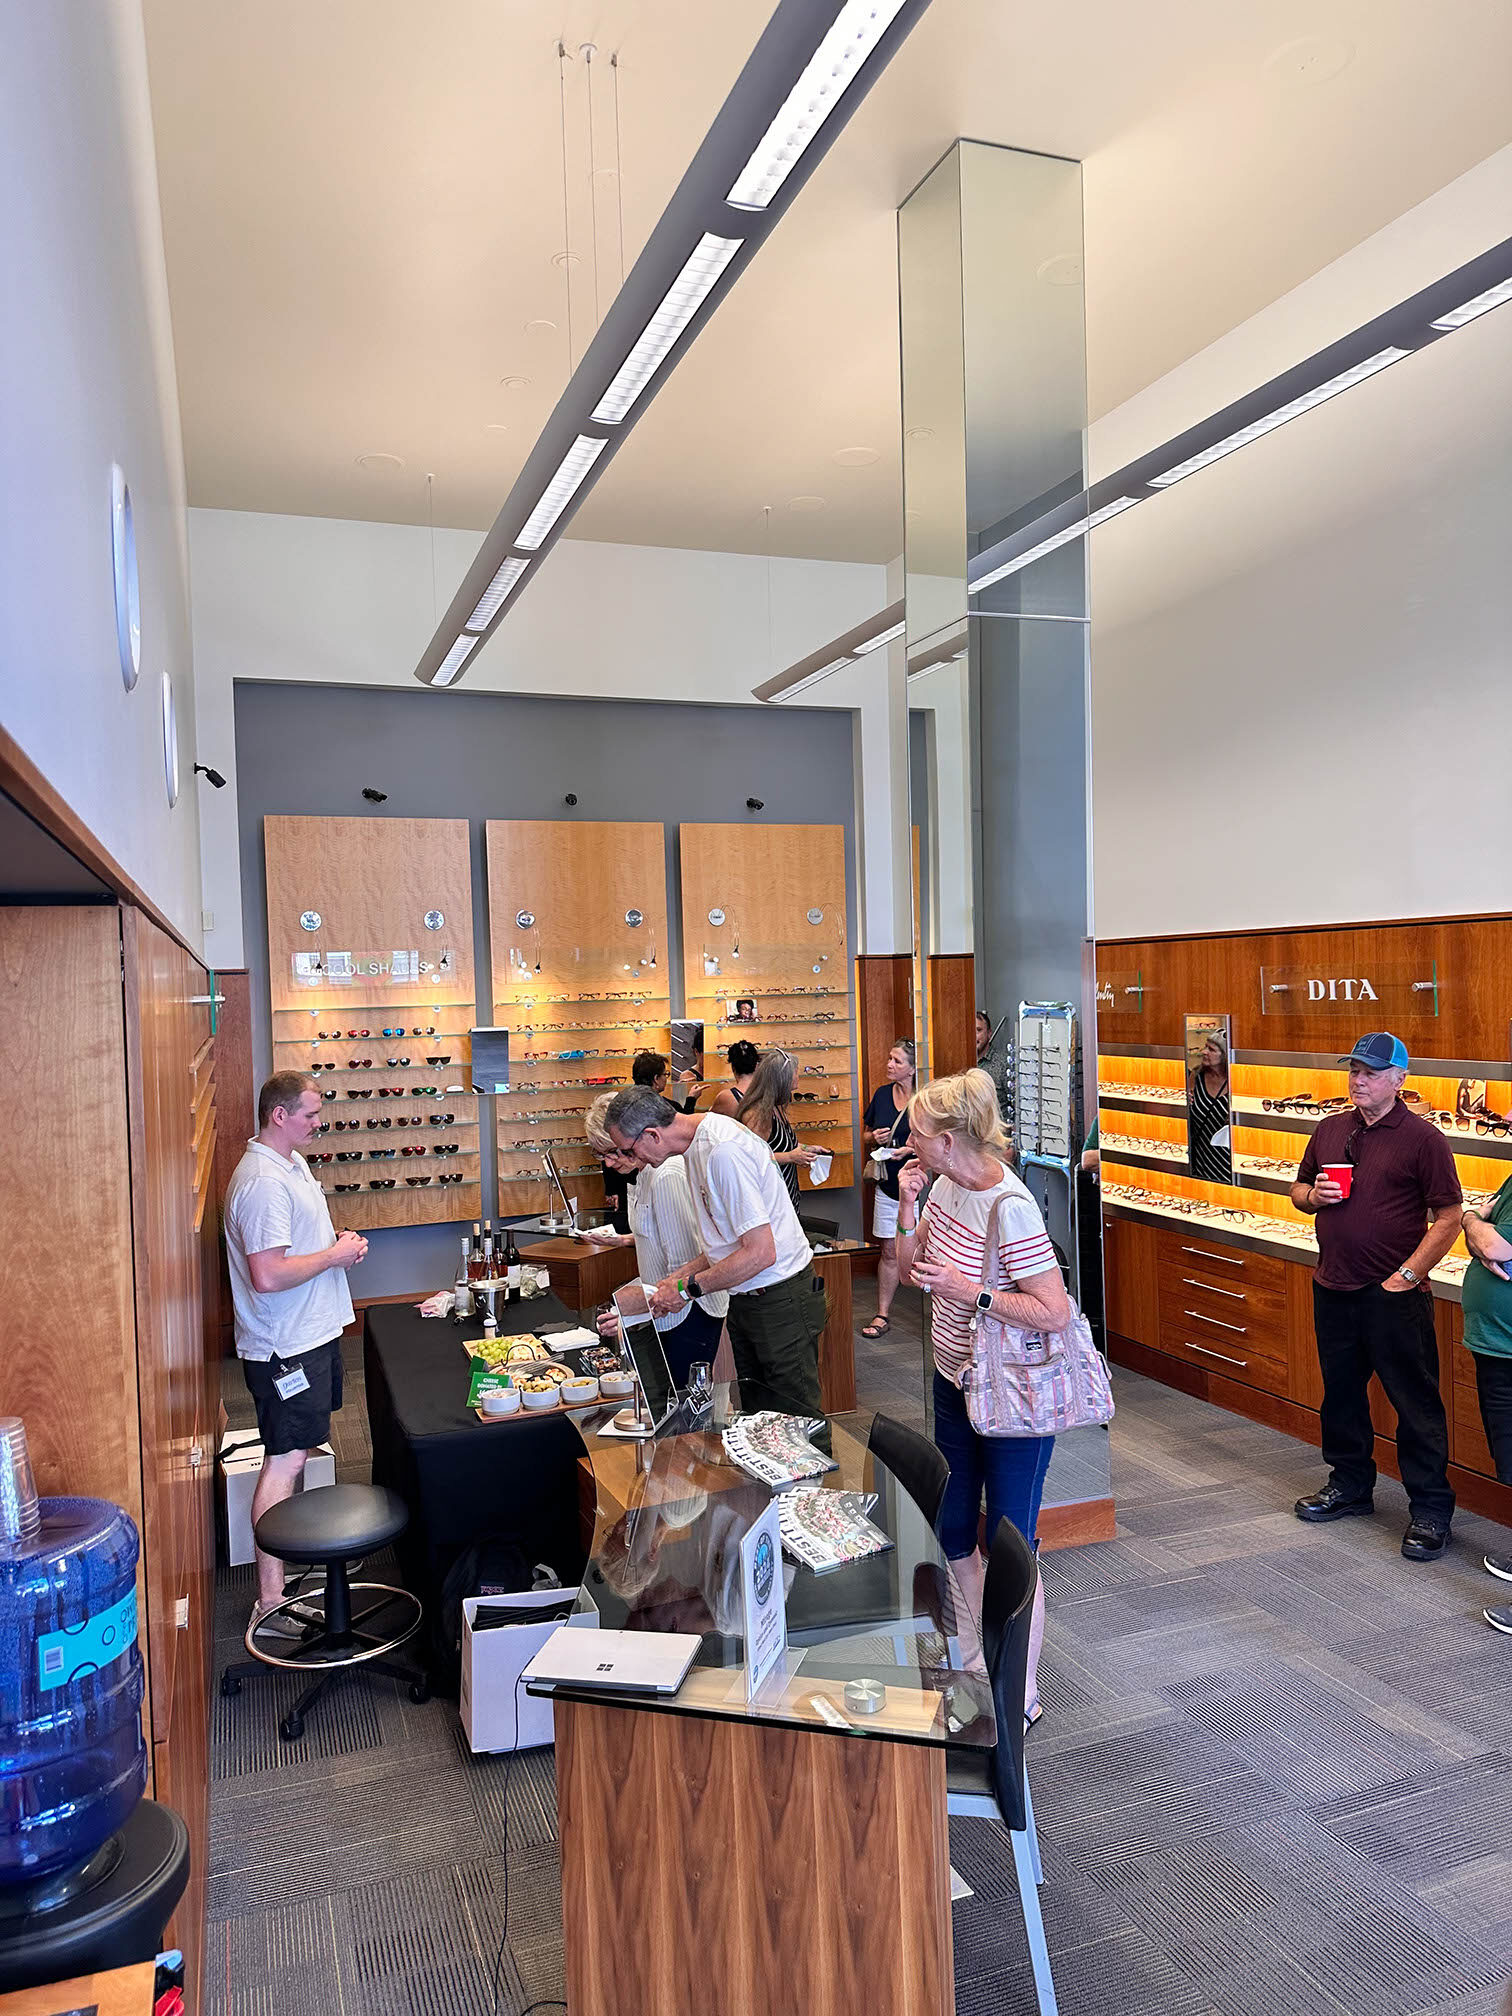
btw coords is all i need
(952, 1011)
(372, 882)
(765, 880)
(580, 977)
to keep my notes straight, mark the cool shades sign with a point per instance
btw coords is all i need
(350, 969)
(1401, 993)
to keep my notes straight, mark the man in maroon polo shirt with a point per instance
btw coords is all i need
(1372, 1308)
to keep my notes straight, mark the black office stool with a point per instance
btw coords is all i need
(330, 1528)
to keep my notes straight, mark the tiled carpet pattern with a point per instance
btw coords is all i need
(1274, 1776)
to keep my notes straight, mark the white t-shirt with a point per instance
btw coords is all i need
(954, 1229)
(736, 1186)
(667, 1234)
(272, 1205)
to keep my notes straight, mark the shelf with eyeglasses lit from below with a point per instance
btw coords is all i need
(1143, 1143)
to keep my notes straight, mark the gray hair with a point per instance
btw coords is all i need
(634, 1108)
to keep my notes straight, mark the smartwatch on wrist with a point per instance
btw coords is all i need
(984, 1301)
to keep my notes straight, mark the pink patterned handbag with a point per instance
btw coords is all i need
(1021, 1382)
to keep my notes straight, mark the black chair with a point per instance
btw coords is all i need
(332, 1528)
(918, 1465)
(993, 1784)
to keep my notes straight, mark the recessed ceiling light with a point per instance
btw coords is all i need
(540, 326)
(565, 259)
(1064, 270)
(856, 458)
(805, 503)
(382, 465)
(1311, 59)
(920, 433)
(514, 384)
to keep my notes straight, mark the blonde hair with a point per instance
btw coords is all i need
(596, 1126)
(966, 1104)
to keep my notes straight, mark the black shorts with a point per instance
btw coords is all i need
(305, 1421)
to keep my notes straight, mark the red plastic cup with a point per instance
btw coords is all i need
(1341, 1173)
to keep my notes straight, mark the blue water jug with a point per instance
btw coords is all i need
(72, 1760)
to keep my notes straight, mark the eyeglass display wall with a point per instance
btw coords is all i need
(370, 967)
(766, 954)
(577, 926)
(1296, 1003)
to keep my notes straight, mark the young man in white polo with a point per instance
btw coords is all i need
(290, 1298)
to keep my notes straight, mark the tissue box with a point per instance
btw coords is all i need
(241, 1457)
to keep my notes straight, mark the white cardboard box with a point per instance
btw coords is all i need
(497, 1713)
(241, 1456)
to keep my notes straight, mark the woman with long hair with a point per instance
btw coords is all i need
(885, 1125)
(958, 1140)
(1208, 1113)
(743, 1059)
(764, 1110)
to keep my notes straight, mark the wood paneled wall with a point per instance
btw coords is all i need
(236, 1122)
(885, 1007)
(952, 1012)
(1472, 957)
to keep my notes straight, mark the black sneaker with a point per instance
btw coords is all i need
(1424, 1540)
(1500, 1619)
(1499, 1565)
(1331, 1503)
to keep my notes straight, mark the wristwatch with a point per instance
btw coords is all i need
(984, 1301)
(689, 1286)
(1408, 1275)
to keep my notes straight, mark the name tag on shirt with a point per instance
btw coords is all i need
(292, 1383)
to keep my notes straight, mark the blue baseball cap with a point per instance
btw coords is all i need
(1379, 1051)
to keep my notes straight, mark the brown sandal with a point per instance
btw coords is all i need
(873, 1332)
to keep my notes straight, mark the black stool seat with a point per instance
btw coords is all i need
(336, 1523)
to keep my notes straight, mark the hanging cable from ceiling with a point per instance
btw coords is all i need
(562, 61)
(430, 516)
(766, 540)
(588, 51)
(619, 168)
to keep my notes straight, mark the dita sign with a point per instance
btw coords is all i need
(1383, 994)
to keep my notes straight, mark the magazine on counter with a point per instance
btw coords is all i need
(825, 1529)
(776, 1448)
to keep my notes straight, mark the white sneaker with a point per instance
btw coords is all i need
(267, 1622)
(1499, 1565)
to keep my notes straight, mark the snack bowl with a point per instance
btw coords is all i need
(578, 1392)
(616, 1385)
(537, 1403)
(502, 1400)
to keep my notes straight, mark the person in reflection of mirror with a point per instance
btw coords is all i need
(764, 1110)
(649, 1067)
(1208, 1139)
(958, 1139)
(983, 1033)
(885, 1125)
(1380, 1232)
(743, 1058)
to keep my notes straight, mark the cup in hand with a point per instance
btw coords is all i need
(1341, 1173)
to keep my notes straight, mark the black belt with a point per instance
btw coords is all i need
(772, 1286)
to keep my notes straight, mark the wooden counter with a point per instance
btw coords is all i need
(581, 1272)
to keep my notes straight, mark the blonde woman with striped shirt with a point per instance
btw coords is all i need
(957, 1136)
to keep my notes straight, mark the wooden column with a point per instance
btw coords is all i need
(885, 1007)
(837, 1340)
(759, 1870)
(952, 1012)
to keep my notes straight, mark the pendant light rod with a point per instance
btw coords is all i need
(812, 67)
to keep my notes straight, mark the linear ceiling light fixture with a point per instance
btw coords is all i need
(853, 644)
(882, 637)
(455, 659)
(813, 65)
(1425, 318)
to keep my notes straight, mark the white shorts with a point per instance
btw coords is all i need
(884, 1216)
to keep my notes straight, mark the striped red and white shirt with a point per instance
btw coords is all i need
(953, 1229)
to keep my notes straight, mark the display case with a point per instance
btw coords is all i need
(370, 966)
(578, 929)
(766, 955)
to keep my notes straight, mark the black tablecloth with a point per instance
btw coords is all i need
(465, 1480)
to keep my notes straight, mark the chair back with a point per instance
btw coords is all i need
(917, 1464)
(1007, 1604)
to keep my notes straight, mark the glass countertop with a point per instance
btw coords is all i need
(671, 1512)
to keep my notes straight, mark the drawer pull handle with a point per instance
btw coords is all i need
(1233, 1294)
(1242, 1363)
(1204, 1253)
(1239, 1329)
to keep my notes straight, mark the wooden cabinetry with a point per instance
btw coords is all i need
(1234, 1326)
(109, 1122)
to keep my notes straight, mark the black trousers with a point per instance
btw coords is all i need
(1365, 1330)
(1493, 1382)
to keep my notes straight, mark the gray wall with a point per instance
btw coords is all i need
(311, 749)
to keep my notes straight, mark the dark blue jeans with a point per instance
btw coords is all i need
(1010, 1468)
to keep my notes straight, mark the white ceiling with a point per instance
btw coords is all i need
(362, 199)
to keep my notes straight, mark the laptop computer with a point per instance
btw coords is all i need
(620, 1662)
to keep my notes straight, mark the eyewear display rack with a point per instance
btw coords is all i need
(764, 921)
(1043, 1068)
(370, 963)
(578, 929)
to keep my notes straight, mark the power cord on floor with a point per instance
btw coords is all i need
(549, 2003)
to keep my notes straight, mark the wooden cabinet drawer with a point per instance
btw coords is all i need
(1233, 1306)
(1189, 1253)
(1239, 1358)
